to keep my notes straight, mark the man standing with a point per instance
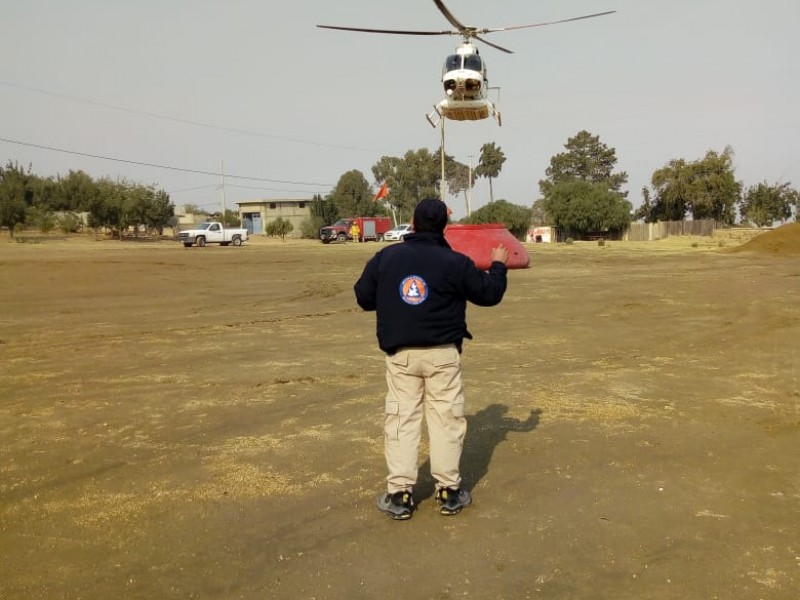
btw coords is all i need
(420, 289)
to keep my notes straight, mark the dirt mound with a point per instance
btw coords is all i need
(784, 240)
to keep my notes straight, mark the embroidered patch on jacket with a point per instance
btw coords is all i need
(413, 290)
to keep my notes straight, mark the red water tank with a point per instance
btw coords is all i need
(477, 241)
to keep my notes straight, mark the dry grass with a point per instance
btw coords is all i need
(208, 421)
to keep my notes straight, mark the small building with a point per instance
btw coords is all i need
(541, 235)
(255, 215)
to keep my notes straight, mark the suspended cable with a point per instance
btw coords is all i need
(263, 189)
(157, 166)
(186, 121)
(194, 189)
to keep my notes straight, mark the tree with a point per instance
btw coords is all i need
(764, 204)
(705, 188)
(68, 222)
(353, 195)
(716, 190)
(644, 212)
(323, 212)
(586, 159)
(43, 219)
(111, 207)
(231, 218)
(15, 195)
(113, 204)
(538, 214)
(578, 207)
(490, 164)
(582, 193)
(280, 227)
(159, 211)
(672, 187)
(76, 192)
(517, 219)
(410, 179)
(458, 177)
(46, 193)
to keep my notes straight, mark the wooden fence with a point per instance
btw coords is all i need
(648, 232)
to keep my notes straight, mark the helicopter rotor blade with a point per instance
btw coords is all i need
(488, 43)
(602, 14)
(463, 30)
(391, 31)
(449, 16)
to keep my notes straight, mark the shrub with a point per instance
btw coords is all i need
(309, 229)
(280, 227)
(569, 241)
(517, 219)
(69, 223)
(42, 219)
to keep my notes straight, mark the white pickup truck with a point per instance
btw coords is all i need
(212, 232)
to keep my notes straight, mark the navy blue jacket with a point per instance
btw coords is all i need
(420, 290)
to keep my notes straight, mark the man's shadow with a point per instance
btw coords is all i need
(485, 431)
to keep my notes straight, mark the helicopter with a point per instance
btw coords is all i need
(464, 74)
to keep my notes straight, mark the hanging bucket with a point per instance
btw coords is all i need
(477, 241)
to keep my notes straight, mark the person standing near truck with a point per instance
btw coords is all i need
(419, 290)
(355, 231)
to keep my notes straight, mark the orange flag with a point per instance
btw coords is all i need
(382, 193)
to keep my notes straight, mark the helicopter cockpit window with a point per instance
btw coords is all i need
(453, 63)
(473, 62)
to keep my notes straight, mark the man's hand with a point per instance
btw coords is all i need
(500, 254)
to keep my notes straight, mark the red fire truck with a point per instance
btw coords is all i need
(371, 228)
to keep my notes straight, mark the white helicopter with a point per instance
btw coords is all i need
(464, 75)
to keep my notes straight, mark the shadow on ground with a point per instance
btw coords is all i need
(486, 430)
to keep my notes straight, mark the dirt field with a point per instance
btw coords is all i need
(206, 423)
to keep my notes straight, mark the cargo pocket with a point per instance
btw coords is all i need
(391, 425)
(446, 357)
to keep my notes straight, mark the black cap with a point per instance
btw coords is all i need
(430, 216)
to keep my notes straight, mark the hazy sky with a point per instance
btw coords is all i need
(256, 86)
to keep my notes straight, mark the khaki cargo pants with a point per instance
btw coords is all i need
(424, 380)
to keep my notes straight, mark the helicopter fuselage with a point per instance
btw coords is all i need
(464, 74)
(465, 85)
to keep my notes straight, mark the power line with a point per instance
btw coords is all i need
(185, 121)
(194, 189)
(242, 187)
(261, 189)
(157, 166)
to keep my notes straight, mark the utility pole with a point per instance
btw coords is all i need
(222, 188)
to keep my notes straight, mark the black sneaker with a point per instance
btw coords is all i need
(399, 505)
(452, 500)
